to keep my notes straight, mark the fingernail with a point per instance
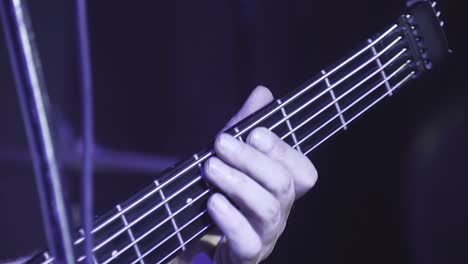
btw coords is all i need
(213, 167)
(218, 203)
(261, 139)
(227, 143)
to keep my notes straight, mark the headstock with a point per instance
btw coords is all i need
(423, 29)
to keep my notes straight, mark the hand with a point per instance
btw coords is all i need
(261, 177)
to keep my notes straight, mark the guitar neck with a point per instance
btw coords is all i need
(158, 222)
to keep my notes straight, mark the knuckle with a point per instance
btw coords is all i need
(284, 182)
(237, 185)
(273, 213)
(280, 149)
(238, 180)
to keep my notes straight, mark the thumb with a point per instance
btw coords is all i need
(259, 97)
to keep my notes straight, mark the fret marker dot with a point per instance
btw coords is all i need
(114, 253)
(189, 200)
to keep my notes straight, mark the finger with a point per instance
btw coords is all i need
(268, 173)
(302, 170)
(259, 97)
(263, 209)
(244, 242)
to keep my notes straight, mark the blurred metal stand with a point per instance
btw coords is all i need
(32, 93)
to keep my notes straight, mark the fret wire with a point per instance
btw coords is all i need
(188, 241)
(346, 93)
(379, 63)
(130, 234)
(305, 153)
(207, 155)
(289, 100)
(398, 39)
(171, 235)
(363, 111)
(48, 258)
(113, 236)
(205, 192)
(169, 211)
(144, 197)
(291, 114)
(332, 93)
(236, 129)
(403, 66)
(147, 233)
(288, 123)
(211, 152)
(82, 233)
(391, 76)
(48, 261)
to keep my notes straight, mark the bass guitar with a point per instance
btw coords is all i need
(160, 221)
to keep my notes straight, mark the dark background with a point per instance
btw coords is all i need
(169, 74)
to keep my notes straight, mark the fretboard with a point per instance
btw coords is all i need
(160, 221)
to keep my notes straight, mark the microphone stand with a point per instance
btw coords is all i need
(35, 109)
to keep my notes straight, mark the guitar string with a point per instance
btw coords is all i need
(373, 89)
(281, 121)
(115, 235)
(202, 213)
(210, 153)
(340, 113)
(349, 121)
(185, 243)
(148, 232)
(326, 91)
(157, 206)
(407, 78)
(149, 251)
(381, 83)
(346, 93)
(390, 76)
(314, 83)
(207, 155)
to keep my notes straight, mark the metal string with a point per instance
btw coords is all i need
(144, 197)
(210, 153)
(344, 94)
(168, 237)
(362, 97)
(403, 66)
(271, 128)
(147, 233)
(185, 243)
(156, 226)
(348, 122)
(360, 113)
(157, 206)
(289, 100)
(207, 191)
(315, 98)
